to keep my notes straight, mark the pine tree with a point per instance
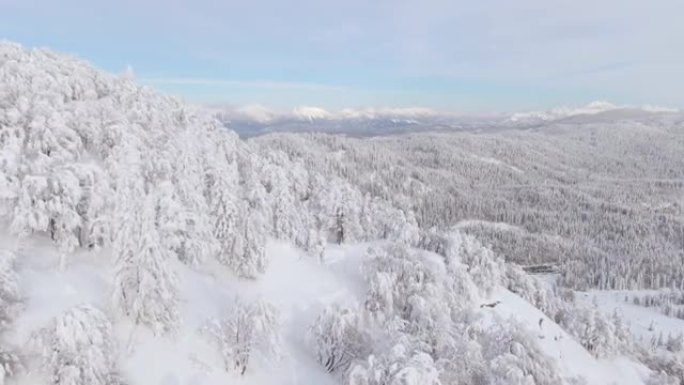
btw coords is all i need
(145, 285)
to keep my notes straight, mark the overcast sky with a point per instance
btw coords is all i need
(461, 56)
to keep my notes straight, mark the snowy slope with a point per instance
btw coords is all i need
(297, 285)
(573, 360)
(186, 357)
(645, 323)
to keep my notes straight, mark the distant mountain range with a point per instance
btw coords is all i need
(257, 120)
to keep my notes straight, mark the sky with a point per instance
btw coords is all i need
(452, 55)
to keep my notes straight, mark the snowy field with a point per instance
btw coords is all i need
(647, 324)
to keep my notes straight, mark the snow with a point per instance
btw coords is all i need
(573, 360)
(639, 318)
(497, 162)
(172, 299)
(310, 114)
(593, 108)
(296, 284)
(299, 287)
(503, 226)
(563, 112)
(255, 112)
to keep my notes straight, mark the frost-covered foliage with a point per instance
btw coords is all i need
(669, 302)
(145, 287)
(9, 298)
(93, 161)
(418, 324)
(514, 358)
(338, 337)
(600, 335)
(483, 265)
(78, 348)
(398, 367)
(667, 367)
(247, 329)
(79, 145)
(9, 288)
(607, 209)
(532, 290)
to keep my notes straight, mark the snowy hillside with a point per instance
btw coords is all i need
(144, 243)
(301, 322)
(603, 202)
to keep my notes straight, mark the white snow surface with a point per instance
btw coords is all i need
(644, 322)
(572, 359)
(298, 285)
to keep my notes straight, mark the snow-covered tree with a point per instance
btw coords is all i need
(9, 288)
(145, 285)
(179, 230)
(10, 160)
(514, 357)
(338, 338)
(397, 367)
(247, 256)
(31, 213)
(223, 205)
(246, 330)
(485, 268)
(78, 348)
(94, 206)
(9, 298)
(64, 194)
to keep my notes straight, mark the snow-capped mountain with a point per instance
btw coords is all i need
(594, 110)
(255, 120)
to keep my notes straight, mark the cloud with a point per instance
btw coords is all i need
(356, 52)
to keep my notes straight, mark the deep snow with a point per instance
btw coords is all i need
(298, 285)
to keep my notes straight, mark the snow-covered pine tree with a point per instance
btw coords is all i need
(247, 256)
(64, 194)
(10, 161)
(94, 206)
(31, 213)
(9, 288)
(145, 285)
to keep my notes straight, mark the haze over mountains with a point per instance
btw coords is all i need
(255, 120)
